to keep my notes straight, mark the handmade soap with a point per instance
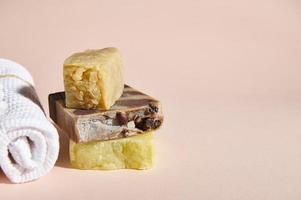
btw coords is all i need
(93, 79)
(132, 153)
(132, 114)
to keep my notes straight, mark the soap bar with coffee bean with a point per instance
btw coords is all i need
(133, 114)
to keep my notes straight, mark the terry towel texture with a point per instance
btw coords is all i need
(29, 143)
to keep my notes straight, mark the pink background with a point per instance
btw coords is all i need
(228, 74)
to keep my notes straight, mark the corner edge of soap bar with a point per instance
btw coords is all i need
(52, 99)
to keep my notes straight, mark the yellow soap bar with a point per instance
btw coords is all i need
(134, 152)
(93, 79)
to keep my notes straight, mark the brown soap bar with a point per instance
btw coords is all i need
(132, 114)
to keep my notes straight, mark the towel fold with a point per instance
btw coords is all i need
(29, 143)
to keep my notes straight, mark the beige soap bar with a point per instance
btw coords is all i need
(93, 79)
(132, 153)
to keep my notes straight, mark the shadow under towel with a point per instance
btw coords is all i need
(29, 143)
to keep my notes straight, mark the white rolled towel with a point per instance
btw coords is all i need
(29, 143)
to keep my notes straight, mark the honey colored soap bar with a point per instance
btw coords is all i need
(132, 114)
(93, 79)
(132, 153)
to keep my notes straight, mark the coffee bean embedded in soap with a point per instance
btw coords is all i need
(157, 124)
(140, 123)
(145, 124)
(153, 108)
(121, 118)
(149, 123)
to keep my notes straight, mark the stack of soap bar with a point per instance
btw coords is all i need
(93, 79)
(120, 137)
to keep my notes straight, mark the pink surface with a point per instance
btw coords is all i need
(228, 74)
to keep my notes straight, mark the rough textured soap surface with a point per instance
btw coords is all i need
(132, 153)
(93, 79)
